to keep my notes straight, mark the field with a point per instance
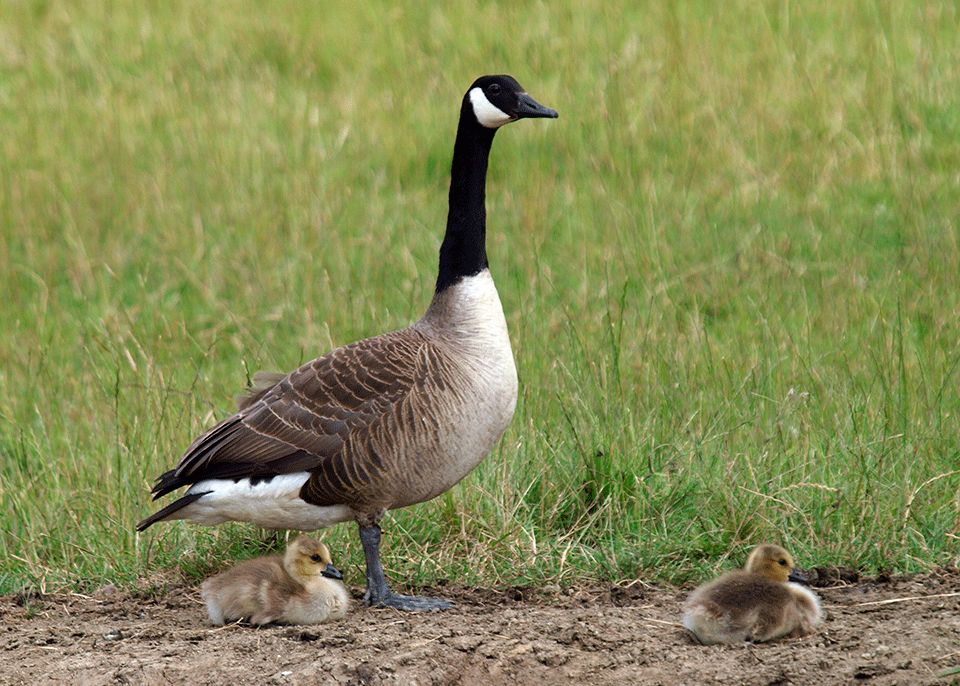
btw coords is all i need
(731, 272)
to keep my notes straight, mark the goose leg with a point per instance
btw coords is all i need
(378, 592)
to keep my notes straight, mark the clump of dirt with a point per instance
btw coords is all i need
(905, 630)
(832, 576)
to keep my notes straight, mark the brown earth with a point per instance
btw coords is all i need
(893, 631)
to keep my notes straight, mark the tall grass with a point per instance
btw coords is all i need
(731, 271)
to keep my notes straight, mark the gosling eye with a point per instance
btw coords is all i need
(494, 89)
(316, 557)
(783, 563)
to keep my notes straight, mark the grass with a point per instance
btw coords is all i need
(731, 271)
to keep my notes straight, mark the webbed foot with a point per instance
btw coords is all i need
(378, 591)
(412, 603)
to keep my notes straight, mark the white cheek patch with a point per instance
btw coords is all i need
(488, 114)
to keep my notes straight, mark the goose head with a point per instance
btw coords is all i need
(497, 100)
(773, 562)
(307, 559)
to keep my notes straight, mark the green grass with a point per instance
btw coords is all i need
(731, 271)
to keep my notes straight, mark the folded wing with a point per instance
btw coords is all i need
(304, 419)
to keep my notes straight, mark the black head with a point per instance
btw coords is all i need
(499, 99)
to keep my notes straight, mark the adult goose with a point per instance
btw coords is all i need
(385, 422)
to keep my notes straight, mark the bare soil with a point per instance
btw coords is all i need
(891, 631)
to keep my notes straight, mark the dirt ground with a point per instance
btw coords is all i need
(889, 631)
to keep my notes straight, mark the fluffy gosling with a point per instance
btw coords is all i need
(758, 603)
(302, 587)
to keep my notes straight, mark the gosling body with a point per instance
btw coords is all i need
(300, 587)
(761, 602)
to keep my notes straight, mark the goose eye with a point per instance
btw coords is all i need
(315, 557)
(494, 89)
(783, 563)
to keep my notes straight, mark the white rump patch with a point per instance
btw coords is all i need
(273, 504)
(488, 114)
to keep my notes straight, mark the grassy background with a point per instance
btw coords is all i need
(731, 271)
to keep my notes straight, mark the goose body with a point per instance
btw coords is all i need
(301, 587)
(452, 405)
(385, 422)
(758, 603)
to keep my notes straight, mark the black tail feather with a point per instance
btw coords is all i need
(167, 482)
(165, 512)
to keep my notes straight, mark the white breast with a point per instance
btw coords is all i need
(468, 320)
(324, 599)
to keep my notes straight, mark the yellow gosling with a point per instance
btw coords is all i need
(759, 603)
(302, 587)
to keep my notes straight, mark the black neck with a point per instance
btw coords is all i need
(464, 250)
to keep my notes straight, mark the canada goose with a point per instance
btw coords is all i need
(302, 587)
(386, 422)
(758, 603)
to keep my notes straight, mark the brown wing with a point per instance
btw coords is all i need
(305, 419)
(263, 383)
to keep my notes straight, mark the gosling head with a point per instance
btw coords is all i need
(497, 100)
(306, 559)
(773, 562)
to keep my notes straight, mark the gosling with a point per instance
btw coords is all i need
(302, 587)
(759, 603)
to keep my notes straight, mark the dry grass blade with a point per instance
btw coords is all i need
(906, 599)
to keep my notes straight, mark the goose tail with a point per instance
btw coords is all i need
(169, 510)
